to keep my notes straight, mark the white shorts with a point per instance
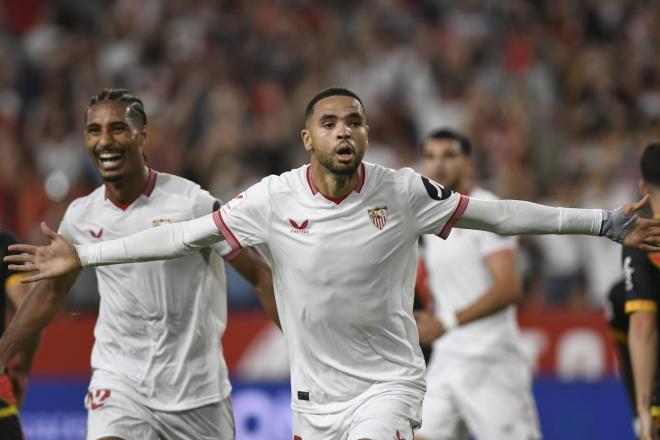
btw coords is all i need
(113, 414)
(490, 399)
(386, 416)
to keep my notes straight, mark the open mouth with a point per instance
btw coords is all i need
(110, 160)
(345, 153)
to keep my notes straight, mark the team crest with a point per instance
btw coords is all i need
(378, 216)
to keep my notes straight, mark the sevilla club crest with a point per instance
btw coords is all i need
(378, 216)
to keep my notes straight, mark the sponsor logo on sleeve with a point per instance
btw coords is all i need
(628, 271)
(161, 221)
(435, 190)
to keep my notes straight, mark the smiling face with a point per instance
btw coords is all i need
(114, 141)
(336, 134)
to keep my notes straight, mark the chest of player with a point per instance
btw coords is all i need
(108, 222)
(319, 237)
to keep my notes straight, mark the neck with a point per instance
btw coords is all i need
(464, 186)
(129, 188)
(331, 184)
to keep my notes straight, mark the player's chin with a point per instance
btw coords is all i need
(346, 168)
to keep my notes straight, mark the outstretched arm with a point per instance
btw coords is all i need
(514, 217)
(160, 243)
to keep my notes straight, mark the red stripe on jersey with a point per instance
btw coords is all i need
(308, 174)
(226, 232)
(336, 200)
(458, 213)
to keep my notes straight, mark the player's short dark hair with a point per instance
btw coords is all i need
(441, 134)
(332, 91)
(650, 164)
(133, 103)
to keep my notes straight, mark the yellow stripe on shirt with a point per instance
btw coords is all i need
(641, 305)
(8, 411)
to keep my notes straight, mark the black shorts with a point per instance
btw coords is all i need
(10, 425)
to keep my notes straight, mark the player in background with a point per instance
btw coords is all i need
(641, 272)
(158, 367)
(341, 236)
(479, 380)
(12, 384)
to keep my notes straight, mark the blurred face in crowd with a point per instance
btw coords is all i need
(114, 141)
(444, 161)
(336, 134)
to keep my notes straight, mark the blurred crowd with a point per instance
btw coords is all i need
(558, 97)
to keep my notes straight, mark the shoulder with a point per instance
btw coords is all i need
(82, 205)
(290, 181)
(173, 185)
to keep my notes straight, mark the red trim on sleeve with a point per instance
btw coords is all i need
(458, 213)
(226, 232)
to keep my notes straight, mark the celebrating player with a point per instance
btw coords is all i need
(642, 283)
(12, 385)
(341, 236)
(478, 379)
(158, 368)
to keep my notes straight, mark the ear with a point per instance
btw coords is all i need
(307, 139)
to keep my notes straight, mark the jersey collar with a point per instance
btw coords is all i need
(148, 189)
(335, 200)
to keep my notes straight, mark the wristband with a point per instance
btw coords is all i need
(448, 318)
(615, 225)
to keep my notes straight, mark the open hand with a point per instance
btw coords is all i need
(645, 233)
(51, 261)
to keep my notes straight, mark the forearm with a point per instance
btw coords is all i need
(643, 344)
(515, 217)
(160, 243)
(494, 300)
(36, 311)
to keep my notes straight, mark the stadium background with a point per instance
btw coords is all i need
(558, 96)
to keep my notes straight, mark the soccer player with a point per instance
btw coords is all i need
(341, 236)
(641, 272)
(158, 368)
(12, 385)
(478, 379)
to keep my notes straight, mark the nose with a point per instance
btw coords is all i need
(343, 131)
(105, 138)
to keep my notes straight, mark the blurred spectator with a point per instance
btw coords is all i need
(557, 95)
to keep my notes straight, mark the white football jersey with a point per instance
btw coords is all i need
(458, 276)
(157, 337)
(344, 274)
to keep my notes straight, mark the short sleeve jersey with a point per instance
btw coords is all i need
(458, 275)
(157, 337)
(344, 274)
(641, 272)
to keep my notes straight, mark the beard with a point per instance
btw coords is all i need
(341, 169)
